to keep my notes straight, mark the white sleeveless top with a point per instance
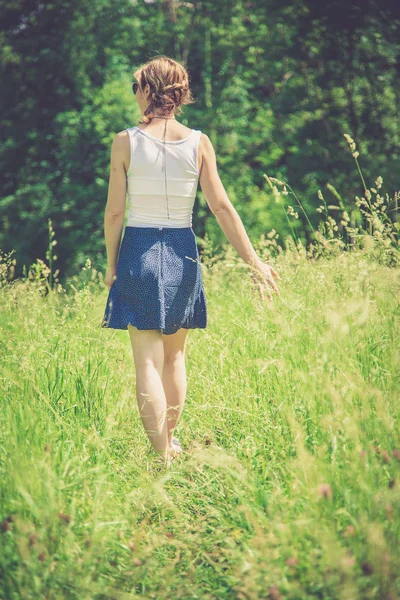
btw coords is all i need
(148, 182)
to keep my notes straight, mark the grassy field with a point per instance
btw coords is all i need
(289, 486)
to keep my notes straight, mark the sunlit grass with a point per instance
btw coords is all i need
(289, 483)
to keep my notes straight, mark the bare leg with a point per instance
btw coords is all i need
(174, 377)
(148, 354)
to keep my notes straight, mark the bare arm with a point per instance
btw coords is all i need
(220, 205)
(228, 217)
(116, 200)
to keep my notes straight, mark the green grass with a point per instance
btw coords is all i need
(290, 483)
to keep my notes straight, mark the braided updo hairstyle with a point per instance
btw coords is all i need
(169, 86)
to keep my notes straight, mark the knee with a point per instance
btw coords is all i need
(173, 358)
(148, 362)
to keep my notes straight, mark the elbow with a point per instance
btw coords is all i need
(220, 210)
(113, 216)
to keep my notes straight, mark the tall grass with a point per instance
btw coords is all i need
(289, 483)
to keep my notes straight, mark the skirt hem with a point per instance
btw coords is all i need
(121, 328)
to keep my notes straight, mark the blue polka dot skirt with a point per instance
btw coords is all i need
(158, 281)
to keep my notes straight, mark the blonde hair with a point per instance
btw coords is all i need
(169, 86)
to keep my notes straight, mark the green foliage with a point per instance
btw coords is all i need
(276, 87)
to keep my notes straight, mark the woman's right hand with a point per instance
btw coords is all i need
(110, 276)
(263, 276)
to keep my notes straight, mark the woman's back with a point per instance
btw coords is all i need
(162, 177)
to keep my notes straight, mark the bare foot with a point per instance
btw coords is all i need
(176, 448)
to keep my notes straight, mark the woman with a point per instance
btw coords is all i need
(155, 279)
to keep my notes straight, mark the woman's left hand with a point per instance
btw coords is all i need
(264, 276)
(110, 276)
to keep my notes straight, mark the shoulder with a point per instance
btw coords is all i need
(121, 137)
(207, 148)
(205, 141)
(120, 142)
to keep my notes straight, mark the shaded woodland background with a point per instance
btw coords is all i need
(276, 84)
